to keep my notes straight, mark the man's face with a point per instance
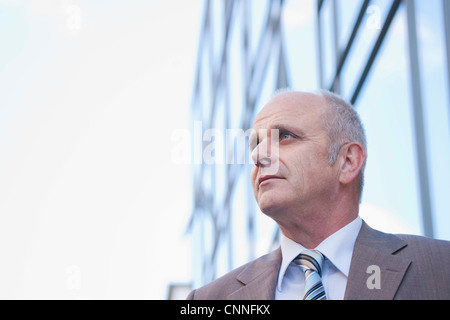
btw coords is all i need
(291, 171)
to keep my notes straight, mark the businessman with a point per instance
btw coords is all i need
(310, 151)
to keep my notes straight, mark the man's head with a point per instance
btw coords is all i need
(316, 159)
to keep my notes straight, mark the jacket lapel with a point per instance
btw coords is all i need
(374, 248)
(259, 279)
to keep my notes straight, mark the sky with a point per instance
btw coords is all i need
(92, 203)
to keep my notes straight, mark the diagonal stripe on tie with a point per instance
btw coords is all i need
(311, 261)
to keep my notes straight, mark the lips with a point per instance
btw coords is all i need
(268, 177)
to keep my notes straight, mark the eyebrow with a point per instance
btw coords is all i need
(282, 128)
(253, 138)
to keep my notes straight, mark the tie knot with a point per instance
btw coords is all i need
(310, 260)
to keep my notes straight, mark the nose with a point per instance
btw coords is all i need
(263, 154)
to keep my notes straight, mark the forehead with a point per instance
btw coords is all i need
(300, 109)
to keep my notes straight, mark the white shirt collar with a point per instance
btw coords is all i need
(338, 248)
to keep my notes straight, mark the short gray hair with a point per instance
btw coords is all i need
(343, 125)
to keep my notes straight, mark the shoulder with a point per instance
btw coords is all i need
(234, 280)
(429, 271)
(423, 253)
(415, 239)
(413, 267)
(397, 243)
(423, 247)
(427, 255)
(220, 288)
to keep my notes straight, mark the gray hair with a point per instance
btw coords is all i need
(343, 125)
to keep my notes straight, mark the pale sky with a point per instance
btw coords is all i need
(91, 205)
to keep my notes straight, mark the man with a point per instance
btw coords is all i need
(309, 152)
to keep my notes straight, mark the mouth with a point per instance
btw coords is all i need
(267, 178)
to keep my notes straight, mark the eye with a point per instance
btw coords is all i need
(285, 135)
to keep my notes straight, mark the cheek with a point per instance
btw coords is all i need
(312, 172)
(303, 169)
(296, 165)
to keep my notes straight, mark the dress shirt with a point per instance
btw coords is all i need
(338, 251)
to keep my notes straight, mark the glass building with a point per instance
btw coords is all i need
(390, 58)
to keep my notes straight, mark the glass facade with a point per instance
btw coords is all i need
(388, 57)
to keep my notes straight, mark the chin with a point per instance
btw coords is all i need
(271, 207)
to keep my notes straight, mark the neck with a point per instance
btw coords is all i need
(310, 226)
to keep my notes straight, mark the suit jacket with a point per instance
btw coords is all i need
(410, 268)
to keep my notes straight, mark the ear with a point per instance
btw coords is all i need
(353, 157)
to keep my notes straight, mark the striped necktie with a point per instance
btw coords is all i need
(310, 261)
